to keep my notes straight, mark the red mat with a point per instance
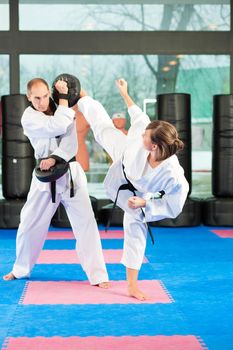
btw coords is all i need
(112, 234)
(159, 342)
(223, 233)
(111, 256)
(76, 292)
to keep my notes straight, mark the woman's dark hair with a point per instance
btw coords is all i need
(166, 137)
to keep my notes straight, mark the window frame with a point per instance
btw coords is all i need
(15, 42)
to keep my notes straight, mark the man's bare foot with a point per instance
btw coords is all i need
(9, 277)
(104, 285)
(136, 293)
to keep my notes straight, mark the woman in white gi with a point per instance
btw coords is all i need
(53, 136)
(150, 164)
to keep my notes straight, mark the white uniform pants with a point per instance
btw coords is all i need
(35, 220)
(135, 234)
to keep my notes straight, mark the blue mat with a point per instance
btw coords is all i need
(74, 272)
(195, 266)
(99, 320)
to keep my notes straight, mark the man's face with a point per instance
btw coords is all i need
(39, 97)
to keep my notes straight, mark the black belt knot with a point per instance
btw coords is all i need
(53, 184)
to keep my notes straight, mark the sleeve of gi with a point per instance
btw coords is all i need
(68, 145)
(138, 116)
(171, 204)
(135, 154)
(38, 125)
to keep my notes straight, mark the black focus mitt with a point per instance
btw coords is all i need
(53, 174)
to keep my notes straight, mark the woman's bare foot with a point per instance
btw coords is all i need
(104, 285)
(136, 293)
(9, 277)
(132, 278)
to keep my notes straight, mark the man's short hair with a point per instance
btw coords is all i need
(36, 81)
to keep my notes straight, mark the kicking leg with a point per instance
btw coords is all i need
(106, 134)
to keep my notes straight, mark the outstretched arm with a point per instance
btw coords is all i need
(122, 86)
(138, 119)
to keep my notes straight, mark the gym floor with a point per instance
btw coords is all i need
(188, 274)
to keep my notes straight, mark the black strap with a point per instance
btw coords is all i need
(63, 96)
(143, 214)
(53, 191)
(53, 184)
(71, 179)
(71, 184)
(122, 187)
(129, 186)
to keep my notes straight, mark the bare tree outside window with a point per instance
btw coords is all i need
(148, 75)
(172, 17)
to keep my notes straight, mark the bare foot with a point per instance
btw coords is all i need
(104, 285)
(9, 277)
(136, 293)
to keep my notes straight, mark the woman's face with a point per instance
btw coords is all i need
(146, 136)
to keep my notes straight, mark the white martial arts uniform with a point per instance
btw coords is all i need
(56, 135)
(168, 176)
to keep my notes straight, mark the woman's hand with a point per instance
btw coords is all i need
(122, 86)
(123, 89)
(136, 202)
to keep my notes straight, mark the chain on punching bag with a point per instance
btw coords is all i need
(175, 108)
(17, 154)
(222, 157)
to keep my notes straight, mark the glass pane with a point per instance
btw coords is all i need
(4, 90)
(4, 75)
(202, 76)
(87, 15)
(4, 15)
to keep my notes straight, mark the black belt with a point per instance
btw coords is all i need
(54, 174)
(53, 184)
(129, 186)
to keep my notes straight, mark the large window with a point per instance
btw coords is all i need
(159, 46)
(4, 90)
(4, 15)
(202, 76)
(125, 15)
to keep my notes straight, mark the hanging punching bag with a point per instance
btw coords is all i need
(175, 108)
(17, 153)
(222, 156)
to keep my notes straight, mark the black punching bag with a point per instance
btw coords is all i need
(175, 108)
(222, 157)
(17, 153)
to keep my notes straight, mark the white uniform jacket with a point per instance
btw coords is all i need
(168, 176)
(52, 135)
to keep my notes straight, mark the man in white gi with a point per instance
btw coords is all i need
(53, 137)
(148, 154)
